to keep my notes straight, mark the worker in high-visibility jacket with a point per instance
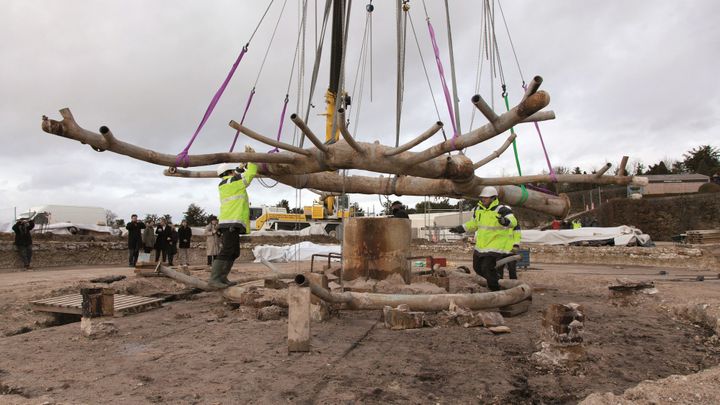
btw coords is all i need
(234, 218)
(492, 224)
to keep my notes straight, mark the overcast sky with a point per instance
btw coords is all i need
(635, 78)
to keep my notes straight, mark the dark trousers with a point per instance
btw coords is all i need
(25, 253)
(133, 256)
(230, 243)
(484, 266)
(512, 270)
(162, 251)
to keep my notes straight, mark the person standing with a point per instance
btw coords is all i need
(212, 242)
(234, 217)
(492, 224)
(172, 244)
(163, 233)
(134, 229)
(184, 236)
(398, 210)
(23, 240)
(148, 236)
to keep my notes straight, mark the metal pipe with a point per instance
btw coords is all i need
(421, 138)
(515, 292)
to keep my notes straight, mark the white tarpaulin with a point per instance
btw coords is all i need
(297, 252)
(621, 235)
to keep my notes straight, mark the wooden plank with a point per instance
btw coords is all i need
(72, 304)
(41, 308)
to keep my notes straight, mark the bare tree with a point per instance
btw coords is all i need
(434, 171)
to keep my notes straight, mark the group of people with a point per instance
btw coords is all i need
(168, 241)
(164, 239)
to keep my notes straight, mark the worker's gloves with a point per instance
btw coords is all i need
(457, 229)
(249, 149)
(504, 221)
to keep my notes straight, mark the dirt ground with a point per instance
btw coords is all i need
(205, 351)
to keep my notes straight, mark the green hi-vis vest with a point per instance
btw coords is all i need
(490, 236)
(234, 201)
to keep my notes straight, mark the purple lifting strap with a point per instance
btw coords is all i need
(282, 121)
(442, 79)
(182, 157)
(247, 107)
(547, 159)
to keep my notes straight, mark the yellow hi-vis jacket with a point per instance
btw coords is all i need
(490, 236)
(234, 201)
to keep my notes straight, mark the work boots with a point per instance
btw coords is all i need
(226, 271)
(217, 275)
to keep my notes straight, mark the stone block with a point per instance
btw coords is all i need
(401, 318)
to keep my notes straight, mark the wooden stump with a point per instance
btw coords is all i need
(298, 319)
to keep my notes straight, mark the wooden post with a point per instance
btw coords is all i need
(299, 318)
(97, 302)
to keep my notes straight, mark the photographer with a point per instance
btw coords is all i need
(23, 240)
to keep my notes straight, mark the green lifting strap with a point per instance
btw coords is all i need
(524, 195)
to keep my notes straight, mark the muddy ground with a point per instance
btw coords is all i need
(205, 351)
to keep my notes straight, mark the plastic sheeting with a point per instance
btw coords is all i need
(297, 252)
(620, 235)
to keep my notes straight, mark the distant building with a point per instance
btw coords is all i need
(663, 184)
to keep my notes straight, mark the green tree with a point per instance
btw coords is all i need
(119, 223)
(438, 204)
(110, 218)
(658, 168)
(152, 217)
(704, 159)
(284, 204)
(195, 216)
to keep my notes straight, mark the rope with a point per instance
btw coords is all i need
(401, 32)
(316, 67)
(452, 68)
(182, 158)
(282, 121)
(512, 46)
(427, 76)
(247, 107)
(436, 50)
(542, 142)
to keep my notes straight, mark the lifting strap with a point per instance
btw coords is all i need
(182, 158)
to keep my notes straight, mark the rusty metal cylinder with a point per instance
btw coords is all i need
(376, 248)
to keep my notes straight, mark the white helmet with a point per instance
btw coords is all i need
(489, 192)
(225, 167)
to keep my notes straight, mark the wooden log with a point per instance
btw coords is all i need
(419, 139)
(308, 133)
(68, 128)
(298, 318)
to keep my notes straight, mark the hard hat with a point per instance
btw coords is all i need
(225, 167)
(489, 192)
